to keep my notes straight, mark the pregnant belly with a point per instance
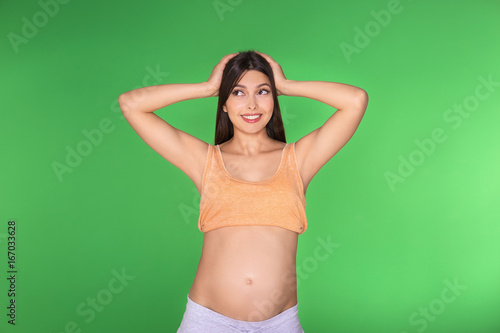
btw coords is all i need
(247, 273)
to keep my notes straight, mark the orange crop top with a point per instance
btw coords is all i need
(227, 201)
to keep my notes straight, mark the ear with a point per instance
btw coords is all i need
(224, 108)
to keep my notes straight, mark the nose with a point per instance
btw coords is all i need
(252, 103)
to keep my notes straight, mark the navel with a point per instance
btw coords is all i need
(249, 281)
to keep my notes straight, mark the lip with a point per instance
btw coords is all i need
(251, 120)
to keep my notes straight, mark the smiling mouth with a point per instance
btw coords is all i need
(251, 118)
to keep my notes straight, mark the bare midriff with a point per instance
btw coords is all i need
(247, 272)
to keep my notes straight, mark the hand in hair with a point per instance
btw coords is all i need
(279, 77)
(215, 78)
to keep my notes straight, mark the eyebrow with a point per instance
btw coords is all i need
(260, 85)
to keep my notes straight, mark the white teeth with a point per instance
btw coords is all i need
(251, 117)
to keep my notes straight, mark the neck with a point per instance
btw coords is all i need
(250, 144)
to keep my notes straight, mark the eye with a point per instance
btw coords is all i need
(264, 91)
(236, 92)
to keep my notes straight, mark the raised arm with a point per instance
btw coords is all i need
(183, 150)
(319, 146)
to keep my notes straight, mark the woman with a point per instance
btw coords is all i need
(252, 186)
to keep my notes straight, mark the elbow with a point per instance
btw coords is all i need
(361, 100)
(125, 103)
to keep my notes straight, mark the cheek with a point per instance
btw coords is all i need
(233, 104)
(268, 104)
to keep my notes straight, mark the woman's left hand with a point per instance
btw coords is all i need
(279, 77)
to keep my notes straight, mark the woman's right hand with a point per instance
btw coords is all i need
(215, 78)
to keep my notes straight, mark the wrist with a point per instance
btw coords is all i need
(207, 89)
(286, 87)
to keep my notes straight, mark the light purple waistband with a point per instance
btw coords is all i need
(205, 314)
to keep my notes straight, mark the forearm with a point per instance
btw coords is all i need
(337, 95)
(152, 98)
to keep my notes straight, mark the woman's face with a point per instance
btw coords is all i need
(250, 104)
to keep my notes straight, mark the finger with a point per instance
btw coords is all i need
(229, 56)
(274, 65)
(225, 59)
(266, 56)
(222, 63)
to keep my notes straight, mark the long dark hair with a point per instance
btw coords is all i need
(231, 75)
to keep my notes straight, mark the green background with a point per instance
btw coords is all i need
(121, 207)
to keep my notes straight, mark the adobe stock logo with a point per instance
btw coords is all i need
(429, 313)
(426, 147)
(97, 302)
(222, 6)
(75, 154)
(372, 29)
(291, 279)
(40, 19)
